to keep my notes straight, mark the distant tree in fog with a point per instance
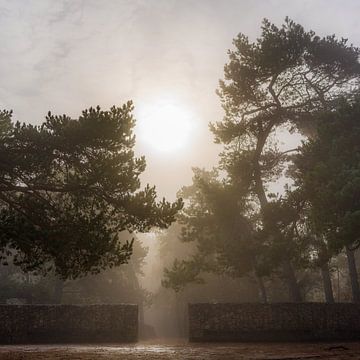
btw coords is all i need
(69, 187)
(217, 218)
(120, 284)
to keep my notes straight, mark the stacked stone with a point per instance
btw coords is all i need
(68, 323)
(274, 322)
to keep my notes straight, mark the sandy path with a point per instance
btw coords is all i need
(184, 351)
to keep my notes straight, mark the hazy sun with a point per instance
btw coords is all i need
(165, 125)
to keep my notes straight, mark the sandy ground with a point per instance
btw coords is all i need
(177, 351)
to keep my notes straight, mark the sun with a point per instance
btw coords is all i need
(165, 125)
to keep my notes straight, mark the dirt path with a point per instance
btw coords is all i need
(184, 351)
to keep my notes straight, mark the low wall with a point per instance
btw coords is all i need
(68, 323)
(274, 322)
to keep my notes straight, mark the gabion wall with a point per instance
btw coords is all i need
(68, 323)
(274, 322)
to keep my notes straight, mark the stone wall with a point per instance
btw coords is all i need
(68, 323)
(274, 322)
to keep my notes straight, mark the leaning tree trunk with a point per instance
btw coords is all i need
(262, 290)
(289, 273)
(353, 275)
(328, 290)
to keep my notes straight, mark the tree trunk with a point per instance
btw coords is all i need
(294, 291)
(58, 290)
(353, 275)
(328, 290)
(262, 290)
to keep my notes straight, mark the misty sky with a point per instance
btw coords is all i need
(65, 56)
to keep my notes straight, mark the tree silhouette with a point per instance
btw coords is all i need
(69, 187)
(283, 80)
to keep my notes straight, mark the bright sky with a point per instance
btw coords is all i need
(65, 56)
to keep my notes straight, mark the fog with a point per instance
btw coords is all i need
(66, 56)
(69, 55)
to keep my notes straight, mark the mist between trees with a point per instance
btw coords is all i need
(71, 199)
